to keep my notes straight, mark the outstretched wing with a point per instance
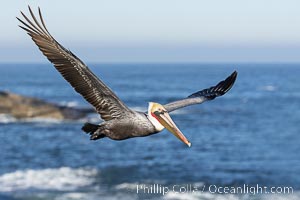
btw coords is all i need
(107, 104)
(207, 94)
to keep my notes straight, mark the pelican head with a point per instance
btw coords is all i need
(161, 119)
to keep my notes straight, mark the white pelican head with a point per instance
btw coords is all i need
(161, 119)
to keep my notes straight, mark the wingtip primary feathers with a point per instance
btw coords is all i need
(34, 25)
(220, 89)
(227, 84)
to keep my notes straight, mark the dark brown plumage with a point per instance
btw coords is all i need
(75, 71)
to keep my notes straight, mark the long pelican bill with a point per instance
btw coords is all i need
(165, 119)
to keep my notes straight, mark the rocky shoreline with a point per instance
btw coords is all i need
(22, 107)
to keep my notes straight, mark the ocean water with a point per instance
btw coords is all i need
(249, 138)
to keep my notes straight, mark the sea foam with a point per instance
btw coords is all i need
(59, 179)
(5, 119)
(210, 196)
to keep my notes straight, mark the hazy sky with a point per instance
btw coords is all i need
(160, 30)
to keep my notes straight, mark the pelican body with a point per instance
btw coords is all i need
(120, 122)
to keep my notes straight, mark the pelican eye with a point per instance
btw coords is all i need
(160, 112)
(163, 111)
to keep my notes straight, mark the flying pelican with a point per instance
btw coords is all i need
(120, 122)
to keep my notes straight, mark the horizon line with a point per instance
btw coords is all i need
(161, 62)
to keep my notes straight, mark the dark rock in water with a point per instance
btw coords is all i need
(22, 107)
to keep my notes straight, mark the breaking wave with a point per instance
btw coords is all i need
(5, 119)
(211, 196)
(58, 179)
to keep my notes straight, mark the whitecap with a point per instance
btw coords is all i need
(6, 118)
(42, 120)
(199, 196)
(70, 104)
(77, 196)
(127, 186)
(96, 195)
(59, 179)
(269, 88)
(213, 196)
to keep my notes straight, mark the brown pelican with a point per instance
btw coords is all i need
(120, 122)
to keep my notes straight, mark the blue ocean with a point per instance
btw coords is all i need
(249, 138)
